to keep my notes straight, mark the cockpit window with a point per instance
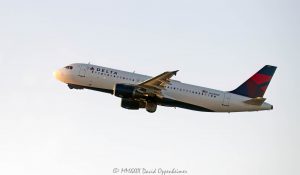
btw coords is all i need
(69, 67)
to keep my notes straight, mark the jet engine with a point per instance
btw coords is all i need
(126, 91)
(131, 104)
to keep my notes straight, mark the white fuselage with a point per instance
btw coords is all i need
(102, 78)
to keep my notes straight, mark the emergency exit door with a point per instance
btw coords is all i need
(226, 99)
(82, 70)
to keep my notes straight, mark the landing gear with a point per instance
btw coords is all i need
(151, 107)
(73, 86)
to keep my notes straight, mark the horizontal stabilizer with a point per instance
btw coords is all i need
(255, 101)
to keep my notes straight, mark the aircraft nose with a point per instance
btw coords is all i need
(58, 75)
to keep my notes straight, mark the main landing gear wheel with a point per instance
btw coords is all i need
(151, 107)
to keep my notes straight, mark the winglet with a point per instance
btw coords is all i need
(175, 72)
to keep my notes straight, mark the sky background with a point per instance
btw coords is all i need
(45, 128)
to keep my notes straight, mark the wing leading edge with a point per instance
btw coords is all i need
(158, 83)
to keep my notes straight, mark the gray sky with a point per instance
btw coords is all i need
(45, 128)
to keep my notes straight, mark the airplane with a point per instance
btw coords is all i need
(140, 91)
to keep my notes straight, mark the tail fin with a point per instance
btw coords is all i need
(257, 85)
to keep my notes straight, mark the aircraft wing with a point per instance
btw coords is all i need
(156, 84)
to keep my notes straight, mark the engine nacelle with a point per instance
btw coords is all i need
(130, 104)
(126, 91)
